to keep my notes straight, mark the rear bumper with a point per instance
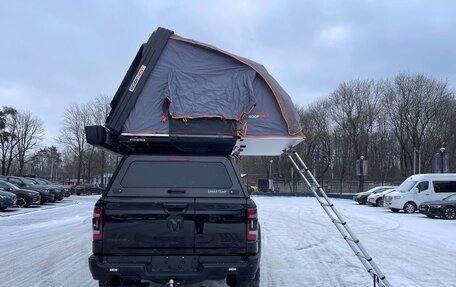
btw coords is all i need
(157, 268)
(57, 194)
(432, 211)
(5, 204)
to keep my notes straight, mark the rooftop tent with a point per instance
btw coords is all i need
(181, 90)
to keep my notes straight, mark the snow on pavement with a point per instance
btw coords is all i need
(301, 247)
(47, 248)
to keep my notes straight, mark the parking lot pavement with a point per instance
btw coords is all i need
(34, 208)
(300, 247)
(49, 247)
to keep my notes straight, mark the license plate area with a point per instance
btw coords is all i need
(175, 263)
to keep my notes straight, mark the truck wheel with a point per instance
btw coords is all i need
(22, 201)
(379, 202)
(394, 209)
(449, 213)
(410, 207)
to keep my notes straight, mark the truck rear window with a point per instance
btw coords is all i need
(166, 174)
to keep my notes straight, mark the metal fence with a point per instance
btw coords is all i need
(331, 186)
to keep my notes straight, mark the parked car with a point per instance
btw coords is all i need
(23, 183)
(64, 188)
(420, 188)
(87, 189)
(58, 193)
(51, 185)
(445, 208)
(189, 218)
(7, 199)
(361, 197)
(24, 197)
(376, 198)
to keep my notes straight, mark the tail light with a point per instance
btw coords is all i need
(97, 223)
(252, 224)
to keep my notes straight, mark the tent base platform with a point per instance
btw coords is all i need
(265, 146)
(246, 146)
(129, 143)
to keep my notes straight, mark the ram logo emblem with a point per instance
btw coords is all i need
(175, 223)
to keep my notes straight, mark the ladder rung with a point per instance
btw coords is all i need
(335, 221)
(346, 237)
(364, 257)
(326, 204)
(372, 271)
(303, 170)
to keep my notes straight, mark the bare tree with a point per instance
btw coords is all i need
(29, 132)
(72, 133)
(99, 110)
(354, 107)
(7, 138)
(317, 149)
(90, 159)
(418, 106)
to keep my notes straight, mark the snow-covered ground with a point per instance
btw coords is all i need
(301, 247)
(49, 247)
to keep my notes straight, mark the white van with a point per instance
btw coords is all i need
(420, 188)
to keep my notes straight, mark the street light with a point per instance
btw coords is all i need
(270, 168)
(442, 150)
(361, 174)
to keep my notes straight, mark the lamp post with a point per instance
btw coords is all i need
(270, 185)
(442, 151)
(361, 174)
(270, 168)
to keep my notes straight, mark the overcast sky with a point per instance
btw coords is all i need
(53, 53)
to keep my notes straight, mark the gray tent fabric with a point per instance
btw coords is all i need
(284, 101)
(201, 81)
(265, 119)
(195, 95)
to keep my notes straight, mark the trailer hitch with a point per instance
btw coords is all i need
(172, 283)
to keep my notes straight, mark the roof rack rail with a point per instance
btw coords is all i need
(101, 137)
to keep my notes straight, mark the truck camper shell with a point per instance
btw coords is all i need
(180, 94)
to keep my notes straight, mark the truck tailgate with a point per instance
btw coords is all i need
(147, 226)
(220, 225)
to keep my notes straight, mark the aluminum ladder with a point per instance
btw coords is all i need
(340, 223)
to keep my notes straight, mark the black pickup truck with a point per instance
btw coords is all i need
(176, 220)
